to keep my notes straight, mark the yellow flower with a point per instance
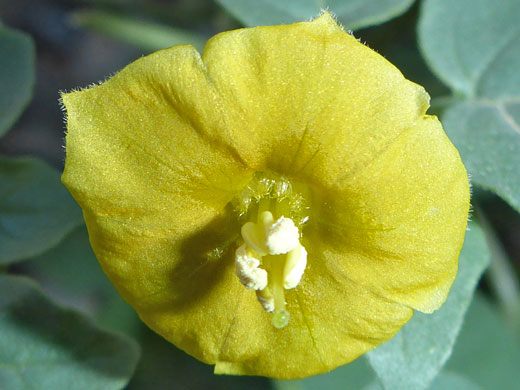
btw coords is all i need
(289, 169)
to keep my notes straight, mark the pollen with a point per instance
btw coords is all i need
(282, 236)
(248, 271)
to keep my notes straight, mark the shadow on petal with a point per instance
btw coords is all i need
(204, 259)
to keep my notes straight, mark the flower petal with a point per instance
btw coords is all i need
(317, 103)
(398, 225)
(321, 107)
(204, 310)
(151, 179)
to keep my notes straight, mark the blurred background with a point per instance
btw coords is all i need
(79, 43)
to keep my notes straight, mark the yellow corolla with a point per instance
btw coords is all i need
(277, 206)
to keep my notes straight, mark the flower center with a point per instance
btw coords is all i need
(271, 259)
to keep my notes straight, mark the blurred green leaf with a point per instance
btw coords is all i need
(118, 315)
(488, 138)
(71, 275)
(501, 277)
(354, 14)
(413, 358)
(449, 380)
(474, 47)
(36, 211)
(146, 35)
(356, 375)
(16, 75)
(163, 366)
(444, 381)
(72, 266)
(43, 346)
(486, 350)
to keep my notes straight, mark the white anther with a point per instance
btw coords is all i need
(282, 236)
(266, 302)
(294, 267)
(248, 271)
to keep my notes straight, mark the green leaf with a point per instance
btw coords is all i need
(146, 35)
(163, 366)
(354, 14)
(449, 380)
(444, 381)
(72, 267)
(36, 211)
(16, 75)
(76, 279)
(474, 47)
(488, 138)
(355, 375)
(413, 358)
(118, 315)
(43, 346)
(486, 350)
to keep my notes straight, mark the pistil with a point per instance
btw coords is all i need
(280, 316)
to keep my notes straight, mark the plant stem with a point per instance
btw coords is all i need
(501, 274)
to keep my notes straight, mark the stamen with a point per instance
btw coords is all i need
(263, 205)
(248, 271)
(282, 236)
(272, 258)
(294, 267)
(266, 299)
(254, 236)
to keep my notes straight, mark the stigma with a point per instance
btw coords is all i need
(270, 261)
